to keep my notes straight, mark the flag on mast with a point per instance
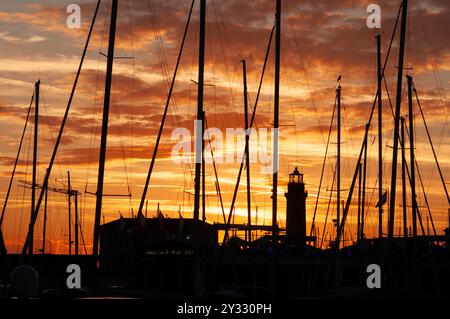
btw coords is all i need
(383, 200)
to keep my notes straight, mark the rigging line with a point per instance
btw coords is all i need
(160, 52)
(425, 198)
(122, 147)
(16, 161)
(155, 150)
(163, 63)
(323, 170)
(216, 8)
(431, 144)
(213, 55)
(44, 113)
(187, 170)
(302, 66)
(82, 237)
(369, 206)
(58, 140)
(328, 209)
(406, 164)
(93, 132)
(132, 99)
(292, 109)
(364, 144)
(158, 41)
(417, 208)
(350, 133)
(250, 126)
(215, 172)
(164, 67)
(163, 59)
(433, 60)
(22, 205)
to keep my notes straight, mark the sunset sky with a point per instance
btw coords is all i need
(321, 39)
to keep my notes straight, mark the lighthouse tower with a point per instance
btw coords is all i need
(296, 209)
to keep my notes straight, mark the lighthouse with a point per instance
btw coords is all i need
(296, 209)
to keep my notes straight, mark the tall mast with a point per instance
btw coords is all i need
(398, 103)
(275, 117)
(106, 102)
(76, 222)
(44, 230)
(35, 149)
(405, 214)
(4, 262)
(363, 206)
(247, 147)
(338, 164)
(203, 170)
(358, 229)
(380, 138)
(411, 153)
(3, 257)
(69, 195)
(199, 130)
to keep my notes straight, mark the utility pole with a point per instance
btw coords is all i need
(106, 103)
(412, 159)
(398, 103)
(380, 137)
(247, 156)
(275, 118)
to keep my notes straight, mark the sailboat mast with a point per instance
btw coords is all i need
(380, 138)
(411, 153)
(35, 147)
(203, 170)
(69, 195)
(398, 103)
(363, 206)
(106, 102)
(338, 164)
(405, 214)
(76, 222)
(44, 230)
(358, 228)
(199, 130)
(275, 117)
(247, 147)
